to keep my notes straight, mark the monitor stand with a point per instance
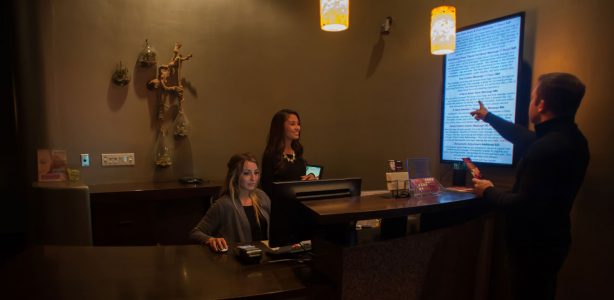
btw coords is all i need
(459, 175)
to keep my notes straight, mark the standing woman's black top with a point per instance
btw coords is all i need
(281, 168)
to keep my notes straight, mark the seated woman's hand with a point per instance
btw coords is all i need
(217, 244)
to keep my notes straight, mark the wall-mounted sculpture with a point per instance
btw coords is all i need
(168, 85)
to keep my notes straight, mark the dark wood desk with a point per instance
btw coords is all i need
(117, 214)
(146, 272)
(130, 214)
(383, 206)
(157, 190)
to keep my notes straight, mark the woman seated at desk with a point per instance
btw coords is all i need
(241, 214)
(283, 156)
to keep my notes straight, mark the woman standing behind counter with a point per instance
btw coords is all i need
(283, 156)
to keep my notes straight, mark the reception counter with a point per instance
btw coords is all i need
(449, 260)
(383, 206)
(149, 272)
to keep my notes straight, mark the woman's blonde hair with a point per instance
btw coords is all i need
(231, 184)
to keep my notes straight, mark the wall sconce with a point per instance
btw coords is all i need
(147, 57)
(385, 27)
(121, 75)
(443, 30)
(334, 15)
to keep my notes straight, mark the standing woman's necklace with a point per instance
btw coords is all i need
(289, 157)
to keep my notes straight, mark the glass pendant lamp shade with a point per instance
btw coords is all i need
(181, 124)
(147, 57)
(334, 15)
(443, 30)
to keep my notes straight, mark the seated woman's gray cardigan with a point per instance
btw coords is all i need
(228, 220)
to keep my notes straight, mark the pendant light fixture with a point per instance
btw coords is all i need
(443, 30)
(334, 15)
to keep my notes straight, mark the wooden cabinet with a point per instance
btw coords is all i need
(147, 213)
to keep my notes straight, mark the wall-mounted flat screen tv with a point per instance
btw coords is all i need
(485, 67)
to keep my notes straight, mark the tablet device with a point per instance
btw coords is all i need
(315, 170)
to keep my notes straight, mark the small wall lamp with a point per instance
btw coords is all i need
(443, 30)
(385, 27)
(334, 15)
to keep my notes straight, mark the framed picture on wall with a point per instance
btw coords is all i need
(51, 165)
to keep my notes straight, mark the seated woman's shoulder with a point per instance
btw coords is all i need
(223, 200)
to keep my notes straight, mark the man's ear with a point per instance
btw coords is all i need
(541, 106)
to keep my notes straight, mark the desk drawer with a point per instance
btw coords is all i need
(128, 223)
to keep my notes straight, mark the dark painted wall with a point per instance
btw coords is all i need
(363, 98)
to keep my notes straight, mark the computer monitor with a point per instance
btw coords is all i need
(289, 222)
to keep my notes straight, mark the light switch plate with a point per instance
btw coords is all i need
(85, 160)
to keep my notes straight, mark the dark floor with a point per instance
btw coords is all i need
(11, 245)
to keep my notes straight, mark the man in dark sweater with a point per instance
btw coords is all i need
(549, 175)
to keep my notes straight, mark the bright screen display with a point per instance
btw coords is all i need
(315, 170)
(485, 67)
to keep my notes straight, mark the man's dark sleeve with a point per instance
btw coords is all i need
(521, 137)
(536, 181)
(502, 198)
(518, 135)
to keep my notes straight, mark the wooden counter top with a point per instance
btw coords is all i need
(151, 186)
(152, 272)
(383, 206)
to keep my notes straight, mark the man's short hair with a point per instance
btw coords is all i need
(561, 92)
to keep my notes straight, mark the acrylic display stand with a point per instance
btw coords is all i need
(421, 183)
(425, 186)
(418, 167)
(416, 181)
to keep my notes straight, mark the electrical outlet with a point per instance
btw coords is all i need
(85, 160)
(117, 159)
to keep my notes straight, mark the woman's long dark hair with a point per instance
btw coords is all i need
(275, 140)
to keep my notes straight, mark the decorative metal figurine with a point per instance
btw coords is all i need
(168, 83)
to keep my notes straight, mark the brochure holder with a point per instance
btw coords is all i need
(416, 181)
(425, 186)
(421, 183)
(398, 184)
